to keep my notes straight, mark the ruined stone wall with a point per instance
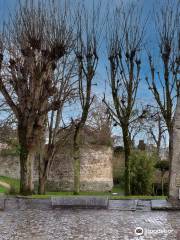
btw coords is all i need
(96, 169)
(9, 166)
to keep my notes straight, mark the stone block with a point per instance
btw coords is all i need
(123, 205)
(164, 205)
(79, 202)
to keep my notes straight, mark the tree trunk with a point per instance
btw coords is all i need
(76, 156)
(26, 163)
(42, 173)
(26, 172)
(170, 158)
(43, 158)
(162, 183)
(45, 162)
(127, 165)
(42, 185)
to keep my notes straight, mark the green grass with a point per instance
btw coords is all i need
(3, 190)
(14, 183)
(70, 194)
(117, 189)
(138, 197)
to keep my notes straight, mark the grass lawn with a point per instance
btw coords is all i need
(70, 194)
(2, 190)
(14, 183)
(142, 197)
(117, 189)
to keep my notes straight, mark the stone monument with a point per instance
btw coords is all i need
(174, 186)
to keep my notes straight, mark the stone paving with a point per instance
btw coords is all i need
(88, 224)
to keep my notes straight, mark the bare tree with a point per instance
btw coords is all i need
(37, 37)
(164, 83)
(155, 126)
(66, 80)
(125, 40)
(87, 43)
(100, 122)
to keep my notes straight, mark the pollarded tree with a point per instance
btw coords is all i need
(125, 41)
(66, 79)
(36, 38)
(86, 50)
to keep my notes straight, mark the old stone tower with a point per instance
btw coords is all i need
(95, 174)
(96, 169)
(175, 167)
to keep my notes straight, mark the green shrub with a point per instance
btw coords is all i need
(14, 183)
(141, 172)
(162, 165)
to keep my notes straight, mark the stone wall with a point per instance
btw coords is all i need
(9, 166)
(96, 169)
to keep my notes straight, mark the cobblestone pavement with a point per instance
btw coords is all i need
(88, 225)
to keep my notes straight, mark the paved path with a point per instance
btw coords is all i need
(88, 225)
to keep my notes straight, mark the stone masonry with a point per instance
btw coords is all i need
(96, 169)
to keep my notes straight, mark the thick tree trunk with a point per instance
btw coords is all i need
(127, 164)
(170, 159)
(42, 185)
(43, 159)
(45, 162)
(26, 163)
(26, 172)
(42, 173)
(77, 164)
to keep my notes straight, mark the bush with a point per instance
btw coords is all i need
(141, 172)
(157, 189)
(162, 165)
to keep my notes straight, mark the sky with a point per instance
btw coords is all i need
(144, 95)
(7, 6)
